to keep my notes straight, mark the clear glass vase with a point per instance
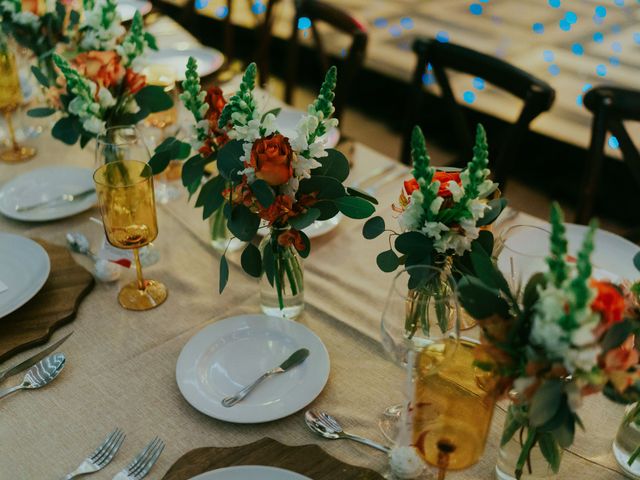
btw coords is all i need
(221, 238)
(626, 446)
(282, 283)
(536, 466)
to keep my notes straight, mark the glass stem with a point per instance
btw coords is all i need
(8, 114)
(136, 256)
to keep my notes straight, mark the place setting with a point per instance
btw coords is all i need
(215, 344)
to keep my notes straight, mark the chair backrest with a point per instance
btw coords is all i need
(318, 11)
(610, 106)
(536, 94)
(263, 33)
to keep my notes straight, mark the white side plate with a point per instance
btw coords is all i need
(45, 184)
(249, 472)
(127, 8)
(24, 268)
(209, 59)
(230, 354)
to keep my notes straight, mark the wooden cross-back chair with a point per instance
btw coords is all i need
(610, 107)
(537, 97)
(320, 12)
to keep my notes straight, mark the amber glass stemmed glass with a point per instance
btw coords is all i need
(127, 203)
(10, 100)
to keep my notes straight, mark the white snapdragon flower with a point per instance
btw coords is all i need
(486, 188)
(50, 6)
(581, 359)
(93, 125)
(546, 332)
(9, 7)
(132, 106)
(105, 98)
(269, 124)
(458, 240)
(78, 106)
(291, 187)
(89, 40)
(436, 204)
(457, 192)
(477, 208)
(434, 229)
(26, 19)
(249, 132)
(411, 218)
(250, 173)
(302, 166)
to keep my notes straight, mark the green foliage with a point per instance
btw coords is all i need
(550, 450)
(242, 101)
(481, 300)
(263, 192)
(224, 274)
(303, 221)
(67, 130)
(413, 242)
(243, 223)
(135, 41)
(387, 261)
(545, 402)
(170, 149)
(354, 207)
(580, 284)
(558, 269)
(477, 169)
(334, 165)
(496, 206)
(41, 77)
(210, 197)
(251, 260)
(192, 96)
(355, 192)
(420, 157)
(229, 163)
(373, 228)
(41, 112)
(636, 261)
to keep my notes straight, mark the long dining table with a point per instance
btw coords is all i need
(121, 365)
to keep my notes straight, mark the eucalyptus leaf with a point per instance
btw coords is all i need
(480, 300)
(67, 130)
(616, 335)
(263, 192)
(153, 99)
(269, 264)
(531, 291)
(243, 224)
(326, 188)
(224, 273)
(229, 163)
(373, 228)
(210, 196)
(356, 192)
(251, 260)
(511, 426)
(413, 242)
(41, 112)
(545, 402)
(355, 207)
(636, 261)
(193, 171)
(304, 253)
(387, 261)
(41, 77)
(550, 450)
(486, 240)
(334, 165)
(307, 218)
(327, 208)
(565, 433)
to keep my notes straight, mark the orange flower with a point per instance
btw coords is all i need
(272, 158)
(623, 357)
(279, 211)
(291, 237)
(216, 103)
(32, 6)
(104, 68)
(411, 186)
(609, 302)
(134, 81)
(444, 178)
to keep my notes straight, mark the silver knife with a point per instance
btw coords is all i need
(295, 359)
(32, 360)
(65, 197)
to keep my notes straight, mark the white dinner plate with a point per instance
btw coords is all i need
(249, 472)
(612, 258)
(209, 59)
(288, 119)
(45, 184)
(127, 8)
(24, 268)
(230, 354)
(316, 229)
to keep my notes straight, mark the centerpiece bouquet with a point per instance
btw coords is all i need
(100, 83)
(40, 27)
(266, 181)
(442, 215)
(565, 335)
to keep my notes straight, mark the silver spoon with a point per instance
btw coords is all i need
(41, 374)
(328, 427)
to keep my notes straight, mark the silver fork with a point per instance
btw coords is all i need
(143, 462)
(101, 457)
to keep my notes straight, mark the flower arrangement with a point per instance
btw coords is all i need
(101, 87)
(442, 215)
(40, 27)
(566, 335)
(264, 177)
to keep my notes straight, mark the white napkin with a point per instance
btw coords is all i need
(3, 287)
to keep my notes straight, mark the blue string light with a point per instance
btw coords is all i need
(304, 23)
(579, 100)
(548, 55)
(598, 37)
(616, 47)
(564, 25)
(475, 9)
(601, 11)
(442, 36)
(586, 86)
(554, 70)
(478, 83)
(554, 3)
(613, 142)
(469, 96)
(380, 22)
(538, 28)
(577, 49)
(222, 12)
(258, 8)
(601, 70)
(614, 61)
(395, 31)
(571, 17)
(406, 23)
(200, 4)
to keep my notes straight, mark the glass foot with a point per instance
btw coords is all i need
(17, 154)
(289, 312)
(153, 295)
(388, 422)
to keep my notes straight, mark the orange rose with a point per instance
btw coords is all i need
(103, 68)
(272, 157)
(609, 302)
(134, 81)
(216, 103)
(623, 357)
(444, 178)
(411, 186)
(291, 237)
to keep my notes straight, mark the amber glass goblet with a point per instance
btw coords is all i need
(10, 100)
(127, 203)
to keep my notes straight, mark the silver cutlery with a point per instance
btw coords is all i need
(32, 360)
(295, 359)
(64, 198)
(326, 426)
(41, 374)
(102, 455)
(142, 463)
